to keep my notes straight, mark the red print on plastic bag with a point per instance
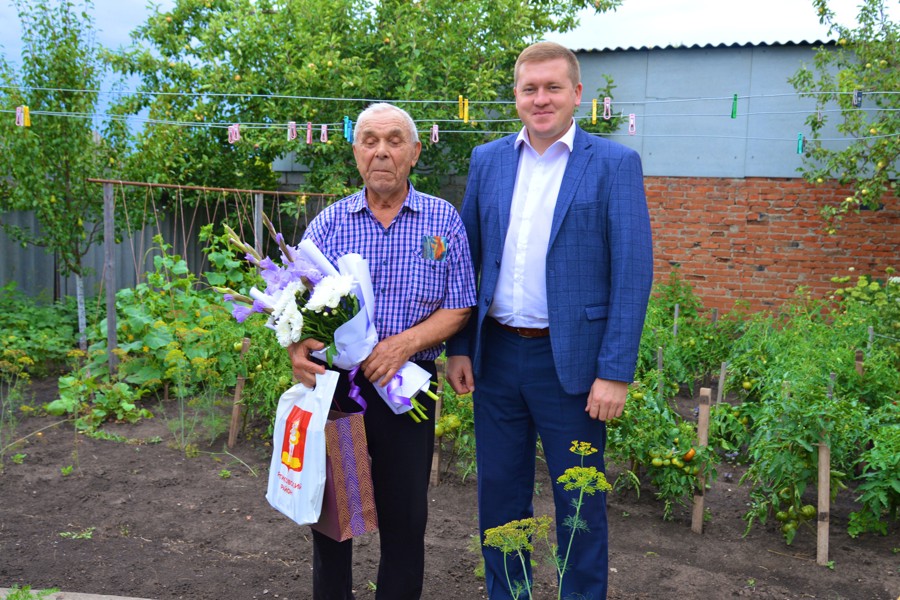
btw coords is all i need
(295, 438)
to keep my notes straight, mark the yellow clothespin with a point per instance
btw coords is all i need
(466, 110)
(23, 117)
(594, 111)
(460, 106)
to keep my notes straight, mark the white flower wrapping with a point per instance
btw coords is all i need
(356, 338)
(305, 265)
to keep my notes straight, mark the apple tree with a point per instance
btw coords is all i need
(860, 77)
(209, 64)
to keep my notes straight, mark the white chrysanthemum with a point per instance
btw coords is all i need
(287, 297)
(289, 326)
(329, 291)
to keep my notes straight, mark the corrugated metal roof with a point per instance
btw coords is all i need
(815, 42)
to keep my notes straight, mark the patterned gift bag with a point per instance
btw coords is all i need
(348, 505)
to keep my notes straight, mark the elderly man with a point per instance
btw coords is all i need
(424, 287)
(560, 236)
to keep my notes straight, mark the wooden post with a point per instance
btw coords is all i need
(659, 367)
(675, 325)
(824, 491)
(860, 360)
(715, 316)
(436, 457)
(109, 275)
(236, 404)
(257, 222)
(702, 440)
(871, 340)
(720, 393)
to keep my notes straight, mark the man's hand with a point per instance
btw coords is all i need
(606, 399)
(459, 374)
(386, 358)
(305, 369)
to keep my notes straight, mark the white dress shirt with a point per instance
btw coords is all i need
(520, 298)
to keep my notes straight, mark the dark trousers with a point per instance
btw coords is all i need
(518, 397)
(401, 452)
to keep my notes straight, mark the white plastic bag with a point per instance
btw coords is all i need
(297, 471)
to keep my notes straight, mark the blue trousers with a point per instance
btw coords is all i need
(518, 397)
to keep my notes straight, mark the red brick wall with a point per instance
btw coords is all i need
(758, 239)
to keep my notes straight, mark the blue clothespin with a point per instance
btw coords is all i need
(799, 143)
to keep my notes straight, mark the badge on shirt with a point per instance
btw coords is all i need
(434, 247)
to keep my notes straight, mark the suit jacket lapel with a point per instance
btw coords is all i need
(509, 165)
(574, 172)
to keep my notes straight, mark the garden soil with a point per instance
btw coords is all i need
(140, 518)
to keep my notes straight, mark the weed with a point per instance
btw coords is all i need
(85, 534)
(67, 470)
(225, 474)
(25, 593)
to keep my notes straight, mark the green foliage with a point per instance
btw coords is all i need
(865, 60)
(45, 166)
(700, 345)
(25, 593)
(37, 337)
(268, 63)
(456, 427)
(879, 490)
(651, 435)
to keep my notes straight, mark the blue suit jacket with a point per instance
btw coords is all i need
(599, 259)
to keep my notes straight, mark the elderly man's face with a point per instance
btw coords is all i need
(385, 153)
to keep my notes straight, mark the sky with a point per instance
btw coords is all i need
(637, 23)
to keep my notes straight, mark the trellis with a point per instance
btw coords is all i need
(249, 204)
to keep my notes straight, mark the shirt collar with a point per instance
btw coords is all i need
(568, 138)
(358, 202)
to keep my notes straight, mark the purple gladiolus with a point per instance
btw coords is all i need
(240, 312)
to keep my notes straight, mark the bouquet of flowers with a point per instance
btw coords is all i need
(306, 297)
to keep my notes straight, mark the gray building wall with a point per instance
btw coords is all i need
(682, 99)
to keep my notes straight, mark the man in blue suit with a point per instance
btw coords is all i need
(559, 232)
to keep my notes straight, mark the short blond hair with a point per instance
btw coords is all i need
(542, 51)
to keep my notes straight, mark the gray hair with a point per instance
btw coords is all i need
(382, 107)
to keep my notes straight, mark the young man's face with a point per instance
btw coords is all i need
(546, 99)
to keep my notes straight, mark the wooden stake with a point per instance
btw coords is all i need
(702, 440)
(860, 358)
(824, 490)
(721, 391)
(436, 457)
(236, 404)
(659, 367)
(824, 502)
(675, 325)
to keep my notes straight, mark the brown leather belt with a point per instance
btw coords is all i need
(525, 332)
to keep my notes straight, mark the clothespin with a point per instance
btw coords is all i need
(632, 124)
(308, 132)
(460, 106)
(434, 134)
(857, 99)
(734, 107)
(23, 116)
(466, 110)
(799, 143)
(607, 108)
(234, 133)
(292, 131)
(818, 116)
(594, 111)
(348, 129)
(324, 136)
